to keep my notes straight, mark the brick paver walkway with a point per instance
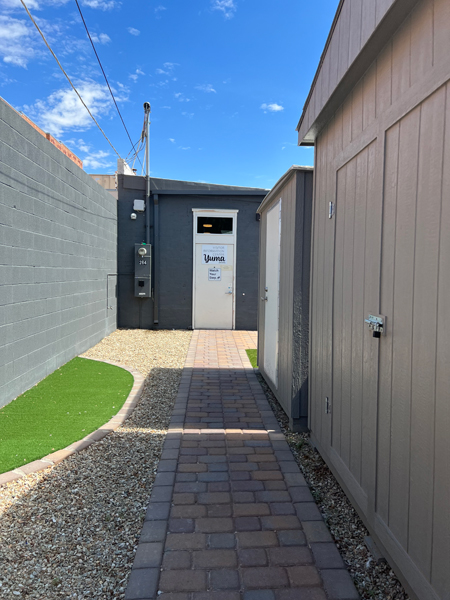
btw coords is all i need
(231, 516)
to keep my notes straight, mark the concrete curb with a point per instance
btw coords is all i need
(114, 423)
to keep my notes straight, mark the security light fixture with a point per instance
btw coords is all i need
(142, 251)
(133, 216)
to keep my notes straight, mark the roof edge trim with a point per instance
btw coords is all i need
(280, 183)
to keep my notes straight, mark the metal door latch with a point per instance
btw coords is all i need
(376, 325)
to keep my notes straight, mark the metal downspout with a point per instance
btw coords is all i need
(156, 259)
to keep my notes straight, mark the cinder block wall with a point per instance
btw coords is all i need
(58, 243)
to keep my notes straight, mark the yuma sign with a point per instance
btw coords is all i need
(214, 254)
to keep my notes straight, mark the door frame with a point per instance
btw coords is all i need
(205, 212)
(277, 207)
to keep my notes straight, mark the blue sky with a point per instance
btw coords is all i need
(226, 79)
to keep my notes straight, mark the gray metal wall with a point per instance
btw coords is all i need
(293, 334)
(384, 160)
(58, 236)
(174, 268)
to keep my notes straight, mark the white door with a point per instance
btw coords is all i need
(214, 269)
(272, 292)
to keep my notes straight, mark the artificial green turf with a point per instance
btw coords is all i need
(64, 407)
(253, 357)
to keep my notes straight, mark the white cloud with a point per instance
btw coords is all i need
(187, 114)
(9, 5)
(181, 148)
(133, 31)
(272, 107)
(159, 9)
(102, 38)
(16, 42)
(96, 160)
(227, 7)
(181, 97)
(135, 76)
(79, 144)
(100, 4)
(207, 87)
(172, 140)
(63, 111)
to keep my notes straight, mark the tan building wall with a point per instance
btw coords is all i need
(383, 160)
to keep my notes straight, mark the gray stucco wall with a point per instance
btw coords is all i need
(175, 255)
(58, 242)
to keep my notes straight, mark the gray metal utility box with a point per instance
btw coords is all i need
(283, 314)
(142, 270)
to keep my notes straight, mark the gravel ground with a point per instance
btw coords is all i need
(71, 530)
(373, 581)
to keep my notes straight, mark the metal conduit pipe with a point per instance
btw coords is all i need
(156, 259)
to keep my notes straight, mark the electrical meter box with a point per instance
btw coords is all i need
(142, 270)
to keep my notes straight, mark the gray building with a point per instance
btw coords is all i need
(378, 116)
(283, 315)
(58, 243)
(202, 242)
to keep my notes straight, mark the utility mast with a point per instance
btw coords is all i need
(147, 110)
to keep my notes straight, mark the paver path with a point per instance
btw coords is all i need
(231, 516)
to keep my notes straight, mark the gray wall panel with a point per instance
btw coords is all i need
(58, 239)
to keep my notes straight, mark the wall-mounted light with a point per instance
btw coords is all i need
(142, 251)
(133, 216)
(207, 225)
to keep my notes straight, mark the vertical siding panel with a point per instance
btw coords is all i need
(386, 308)
(357, 326)
(421, 40)
(440, 574)
(424, 330)
(347, 285)
(401, 320)
(338, 308)
(384, 80)
(355, 29)
(325, 74)
(369, 96)
(401, 61)
(357, 110)
(441, 29)
(368, 20)
(333, 51)
(371, 282)
(320, 200)
(328, 315)
(344, 40)
(347, 122)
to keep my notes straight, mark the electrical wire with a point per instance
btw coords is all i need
(67, 77)
(104, 75)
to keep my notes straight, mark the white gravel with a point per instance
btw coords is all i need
(71, 531)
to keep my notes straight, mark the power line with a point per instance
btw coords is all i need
(67, 77)
(104, 75)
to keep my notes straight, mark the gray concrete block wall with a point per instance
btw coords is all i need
(58, 244)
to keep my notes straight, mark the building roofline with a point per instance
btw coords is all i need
(280, 183)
